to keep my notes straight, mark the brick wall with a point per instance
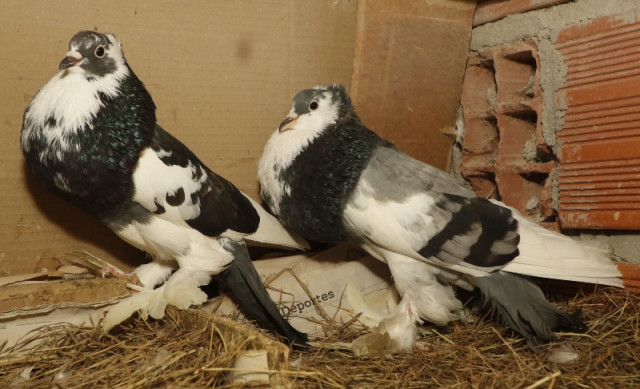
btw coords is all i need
(599, 176)
(595, 148)
(504, 153)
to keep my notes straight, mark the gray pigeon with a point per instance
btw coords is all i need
(329, 178)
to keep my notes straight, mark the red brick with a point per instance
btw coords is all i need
(482, 139)
(581, 34)
(516, 77)
(515, 130)
(589, 218)
(599, 175)
(476, 93)
(521, 192)
(484, 185)
(501, 108)
(630, 276)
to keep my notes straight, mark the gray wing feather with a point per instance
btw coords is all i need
(459, 228)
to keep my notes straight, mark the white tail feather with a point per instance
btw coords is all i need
(271, 233)
(548, 254)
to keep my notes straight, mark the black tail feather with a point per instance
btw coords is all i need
(523, 307)
(248, 291)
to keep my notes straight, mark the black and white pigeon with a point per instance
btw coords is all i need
(329, 178)
(90, 135)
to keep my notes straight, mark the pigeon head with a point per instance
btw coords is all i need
(94, 54)
(314, 109)
(92, 72)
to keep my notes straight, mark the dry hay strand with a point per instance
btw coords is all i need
(190, 349)
(485, 355)
(186, 349)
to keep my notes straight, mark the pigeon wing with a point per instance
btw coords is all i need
(173, 184)
(406, 206)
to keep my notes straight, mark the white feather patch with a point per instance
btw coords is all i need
(548, 254)
(181, 290)
(395, 333)
(165, 240)
(283, 147)
(153, 273)
(71, 99)
(402, 227)
(418, 282)
(154, 180)
(272, 233)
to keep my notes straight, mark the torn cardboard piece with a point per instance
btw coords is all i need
(73, 289)
(303, 285)
(28, 305)
(17, 278)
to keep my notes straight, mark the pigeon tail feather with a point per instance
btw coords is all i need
(271, 233)
(180, 290)
(548, 254)
(523, 307)
(248, 291)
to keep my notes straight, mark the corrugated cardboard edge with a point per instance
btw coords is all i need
(82, 302)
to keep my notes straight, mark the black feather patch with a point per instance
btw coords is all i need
(322, 177)
(51, 121)
(222, 205)
(194, 198)
(497, 225)
(523, 307)
(95, 171)
(159, 208)
(197, 174)
(246, 287)
(177, 198)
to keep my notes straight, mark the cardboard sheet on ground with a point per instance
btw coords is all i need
(325, 275)
(34, 300)
(29, 305)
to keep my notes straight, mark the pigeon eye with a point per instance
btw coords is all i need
(313, 106)
(100, 51)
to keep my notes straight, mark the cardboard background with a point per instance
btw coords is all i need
(409, 64)
(222, 75)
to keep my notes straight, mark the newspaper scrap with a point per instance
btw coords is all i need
(307, 287)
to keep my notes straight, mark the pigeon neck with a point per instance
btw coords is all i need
(323, 176)
(93, 168)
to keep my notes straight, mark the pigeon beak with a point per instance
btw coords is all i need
(287, 122)
(72, 58)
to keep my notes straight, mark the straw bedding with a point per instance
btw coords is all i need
(192, 349)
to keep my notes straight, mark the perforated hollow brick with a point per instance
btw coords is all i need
(599, 168)
(504, 154)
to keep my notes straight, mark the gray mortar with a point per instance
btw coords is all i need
(518, 27)
(543, 27)
(551, 79)
(625, 246)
